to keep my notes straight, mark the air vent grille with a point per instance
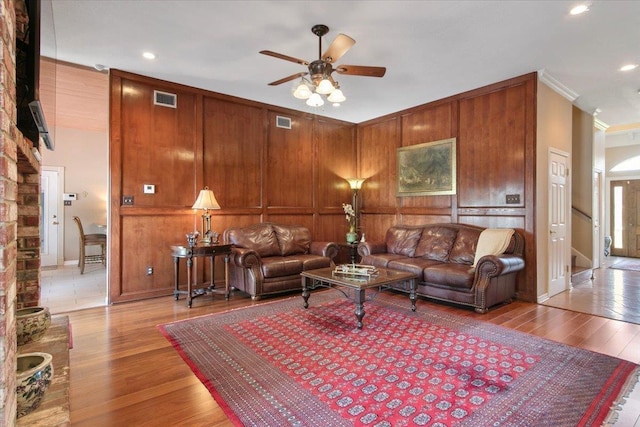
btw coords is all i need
(283, 122)
(165, 99)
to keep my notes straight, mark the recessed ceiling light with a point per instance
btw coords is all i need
(149, 55)
(628, 67)
(582, 8)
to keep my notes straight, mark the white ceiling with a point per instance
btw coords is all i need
(432, 49)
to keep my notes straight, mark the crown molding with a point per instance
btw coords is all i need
(599, 124)
(555, 84)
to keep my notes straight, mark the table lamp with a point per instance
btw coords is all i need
(207, 200)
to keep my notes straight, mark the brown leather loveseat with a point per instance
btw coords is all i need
(268, 258)
(442, 256)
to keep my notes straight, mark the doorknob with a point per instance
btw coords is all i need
(552, 232)
(55, 223)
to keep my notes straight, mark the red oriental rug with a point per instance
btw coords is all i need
(278, 364)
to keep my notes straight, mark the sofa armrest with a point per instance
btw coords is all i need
(497, 265)
(370, 248)
(246, 258)
(328, 249)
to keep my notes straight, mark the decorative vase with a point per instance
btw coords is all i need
(352, 237)
(33, 376)
(31, 323)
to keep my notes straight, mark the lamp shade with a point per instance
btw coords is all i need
(315, 101)
(336, 96)
(355, 183)
(206, 200)
(302, 91)
(325, 87)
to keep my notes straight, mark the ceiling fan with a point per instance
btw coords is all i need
(321, 69)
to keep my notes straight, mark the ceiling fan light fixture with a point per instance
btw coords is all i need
(325, 87)
(315, 100)
(336, 97)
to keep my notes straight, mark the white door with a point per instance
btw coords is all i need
(51, 218)
(558, 208)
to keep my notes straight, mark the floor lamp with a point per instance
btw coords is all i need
(356, 185)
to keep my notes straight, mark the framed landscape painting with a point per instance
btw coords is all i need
(427, 169)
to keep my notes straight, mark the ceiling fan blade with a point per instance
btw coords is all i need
(285, 57)
(338, 47)
(287, 79)
(361, 70)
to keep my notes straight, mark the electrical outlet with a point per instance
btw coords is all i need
(127, 200)
(67, 202)
(513, 199)
(149, 270)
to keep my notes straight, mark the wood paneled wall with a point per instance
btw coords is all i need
(494, 129)
(258, 172)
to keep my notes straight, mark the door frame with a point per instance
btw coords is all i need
(625, 251)
(598, 208)
(59, 170)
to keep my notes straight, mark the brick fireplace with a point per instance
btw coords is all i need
(19, 212)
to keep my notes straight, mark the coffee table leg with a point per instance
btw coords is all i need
(359, 300)
(305, 292)
(412, 294)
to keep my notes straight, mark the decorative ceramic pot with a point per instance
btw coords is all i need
(32, 323)
(34, 372)
(352, 237)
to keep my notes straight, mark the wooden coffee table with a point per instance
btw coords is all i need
(326, 278)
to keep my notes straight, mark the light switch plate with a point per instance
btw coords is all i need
(513, 199)
(149, 189)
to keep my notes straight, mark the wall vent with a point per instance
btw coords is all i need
(165, 99)
(283, 122)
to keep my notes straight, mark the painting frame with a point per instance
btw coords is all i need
(427, 169)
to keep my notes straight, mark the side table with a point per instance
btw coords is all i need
(352, 248)
(199, 251)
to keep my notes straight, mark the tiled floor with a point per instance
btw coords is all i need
(612, 293)
(65, 289)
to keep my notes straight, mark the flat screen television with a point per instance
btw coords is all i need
(30, 116)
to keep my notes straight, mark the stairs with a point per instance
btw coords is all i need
(579, 274)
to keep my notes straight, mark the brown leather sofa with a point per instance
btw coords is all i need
(268, 258)
(442, 256)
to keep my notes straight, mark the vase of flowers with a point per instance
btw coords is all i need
(350, 215)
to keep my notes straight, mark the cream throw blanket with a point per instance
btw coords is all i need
(492, 241)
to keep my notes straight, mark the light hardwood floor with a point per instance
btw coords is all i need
(125, 373)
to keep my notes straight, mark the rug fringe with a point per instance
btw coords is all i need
(621, 400)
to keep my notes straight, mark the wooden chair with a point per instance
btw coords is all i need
(90, 240)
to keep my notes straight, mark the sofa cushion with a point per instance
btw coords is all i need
(313, 262)
(451, 275)
(260, 237)
(464, 248)
(277, 266)
(292, 239)
(402, 241)
(412, 265)
(380, 260)
(436, 243)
